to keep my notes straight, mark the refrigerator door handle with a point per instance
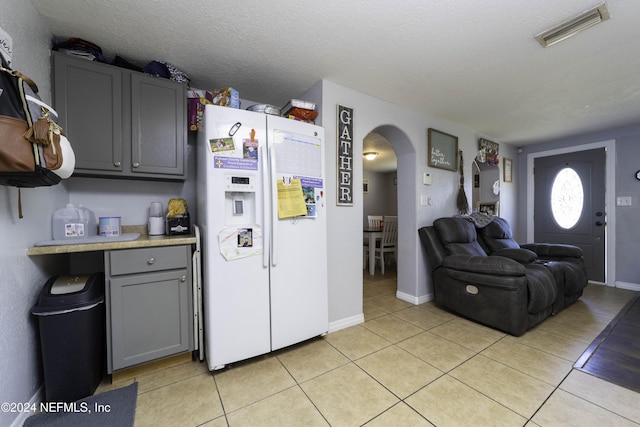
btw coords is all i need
(274, 206)
(265, 213)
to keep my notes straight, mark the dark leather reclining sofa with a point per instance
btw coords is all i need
(484, 275)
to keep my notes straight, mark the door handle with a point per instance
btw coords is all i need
(599, 223)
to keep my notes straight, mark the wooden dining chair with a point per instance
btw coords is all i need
(374, 221)
(389, 241)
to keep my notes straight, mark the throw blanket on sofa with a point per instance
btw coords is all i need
(479, 219)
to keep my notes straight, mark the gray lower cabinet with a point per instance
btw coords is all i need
(149, 304)
(121, 123)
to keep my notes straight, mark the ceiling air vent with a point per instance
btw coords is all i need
(567, 29)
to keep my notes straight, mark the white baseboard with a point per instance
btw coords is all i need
(346, 322)
(414, 300)
(35, 401)
(359, 318)
(629, 286)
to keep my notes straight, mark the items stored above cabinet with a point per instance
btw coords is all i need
(123, 124)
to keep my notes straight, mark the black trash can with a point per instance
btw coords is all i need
(71, 317)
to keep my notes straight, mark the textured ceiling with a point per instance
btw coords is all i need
(475, 63)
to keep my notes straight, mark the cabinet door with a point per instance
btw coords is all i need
(149, 316)
(158, 126)
(88, 98)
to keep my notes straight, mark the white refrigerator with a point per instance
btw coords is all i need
(262, 213)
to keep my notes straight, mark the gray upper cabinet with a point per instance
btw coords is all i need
(121, 123)
(158, 123)
(88, 98)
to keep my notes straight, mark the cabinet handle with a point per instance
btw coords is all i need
(151, 261)
(117, 164)
(136, 164)
(183, 279)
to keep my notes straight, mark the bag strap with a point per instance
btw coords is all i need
(20, 203)
(5, 67)
(36, 154)
(27, 80)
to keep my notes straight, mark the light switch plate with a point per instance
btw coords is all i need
(623, 201)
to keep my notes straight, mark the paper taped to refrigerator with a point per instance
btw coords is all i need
(312, 189)
(291, 199)
(240, 242)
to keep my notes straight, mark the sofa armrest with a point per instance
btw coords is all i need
(490, 265)
(432, 245)
(521, 255)
(553, 250)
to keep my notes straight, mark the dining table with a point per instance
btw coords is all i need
(372, 235)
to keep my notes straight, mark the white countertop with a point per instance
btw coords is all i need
(144, 241)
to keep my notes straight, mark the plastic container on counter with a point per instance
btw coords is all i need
(73, 222)
(109, 226)
(92, 221)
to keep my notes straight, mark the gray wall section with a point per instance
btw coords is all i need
(382, 198)
(21, 277)
(627, 227)
(627, 146)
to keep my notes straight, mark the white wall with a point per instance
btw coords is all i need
(407, 132)
(21, 277)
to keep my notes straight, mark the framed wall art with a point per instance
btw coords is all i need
(507, 169)
(489, 208)
(442, 150)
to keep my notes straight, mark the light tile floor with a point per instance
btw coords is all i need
(405, 365)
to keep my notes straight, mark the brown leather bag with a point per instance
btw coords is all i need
(30, 150)
(29, 139)
(16, 155)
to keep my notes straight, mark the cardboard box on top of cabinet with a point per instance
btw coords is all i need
(227, 97)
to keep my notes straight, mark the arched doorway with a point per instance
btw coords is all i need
(379, 200)
(398, 144)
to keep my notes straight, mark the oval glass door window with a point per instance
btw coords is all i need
(567, 198)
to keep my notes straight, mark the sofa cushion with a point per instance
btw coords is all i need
(458, 236)
(493, 265)
(496, 235)
(523, 256)
(542, 288)
(554, 250)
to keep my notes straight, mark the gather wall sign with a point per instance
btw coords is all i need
(345, 156)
